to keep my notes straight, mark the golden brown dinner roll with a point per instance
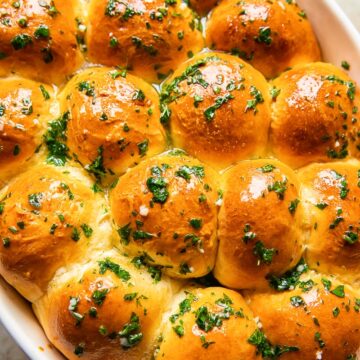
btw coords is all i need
(149, 37)
(332, 196)
(314, 115)
(25, 108)
(48, 218)
(320, 318)
(38, 39)
(260, 224)
(207, 324)
(271, 35)
(106, 309)
(202, 6)
(113, 120)
(218, 109)
(165, 210)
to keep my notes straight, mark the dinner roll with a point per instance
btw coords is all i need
(319, 318)
(113, 120)
(332, 196)
(207, 324)
(218, 109)
(25, 108)
(49, 217)
(271, 35)
(38, 39)
(106, 309)
(260, 224)
(202, 6)
(165, 210)
(314, 115)
(149, 37)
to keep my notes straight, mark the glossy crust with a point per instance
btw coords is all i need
(133, 299)
(333, 200)
(166, 208)
(151, 38)
(48, 219)
(314, 115)
(320, 324)
(114, 117)
(260, 224)
(268, 34)
(200, 340)
(38, 39)
(25, 110)
(202, 6)
(219, 109)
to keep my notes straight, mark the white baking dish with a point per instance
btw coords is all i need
(339, 41)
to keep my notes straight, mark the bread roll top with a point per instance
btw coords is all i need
(314, 115)
(217, 107)
(25, 108)
(165, 210)
(38, 39)
(267, 34)
(113, 120)
(106, 308)
(261, 229)
(332, 195)
(48, 219)
(149, 37)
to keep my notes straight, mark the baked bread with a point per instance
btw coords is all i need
(113, 119)
(261, 230)
(38, 39)
(218, 109)
(314, 115)
(25, 108)
(268, 34)
(214, 216)
(152, 38)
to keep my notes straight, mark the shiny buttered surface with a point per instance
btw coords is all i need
(150, 37)
(113, 115)
(218, 108)
(129, 209)
(38, 39)
(270, 35)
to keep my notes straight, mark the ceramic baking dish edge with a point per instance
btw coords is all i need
(339, 41)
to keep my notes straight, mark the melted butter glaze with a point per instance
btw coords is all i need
(45, 211)
(115, 115)
(152, 41)
(23, 116)
(261, 218)
(221, 113)
(48, 54)
(314, 115)
(268, 34)
(171, 241)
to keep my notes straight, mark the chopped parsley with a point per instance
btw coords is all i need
(263, 254)
(185, 172)
(279, 187)
(209, 113)
(293, 206)
(290, 279)
(131, 334)
(264, 35)
(99, 296)
(35, 200)
(55, 138)
(266, 349)
(107, 264)
(21, 41)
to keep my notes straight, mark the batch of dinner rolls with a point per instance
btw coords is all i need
(179, 180)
